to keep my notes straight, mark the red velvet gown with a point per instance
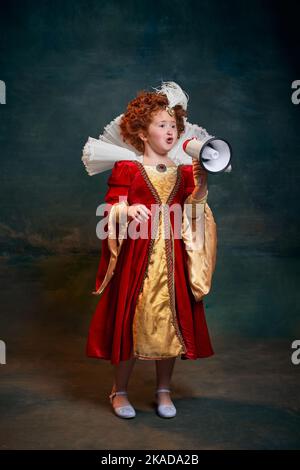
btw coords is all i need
(111, 330)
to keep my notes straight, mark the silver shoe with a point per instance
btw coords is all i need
(126, 411)
(165, 411)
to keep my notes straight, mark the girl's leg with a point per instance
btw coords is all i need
(164, 370)
(122, 372)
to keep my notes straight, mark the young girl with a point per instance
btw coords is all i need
(152, 286)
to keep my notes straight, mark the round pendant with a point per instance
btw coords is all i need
(161, 167)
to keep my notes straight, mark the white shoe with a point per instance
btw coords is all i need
(165, 411)
(126, 411)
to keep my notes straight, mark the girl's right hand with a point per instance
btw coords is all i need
(138, 212)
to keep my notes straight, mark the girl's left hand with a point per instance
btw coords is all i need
(200, 178)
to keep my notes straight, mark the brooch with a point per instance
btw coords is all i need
(161, 167)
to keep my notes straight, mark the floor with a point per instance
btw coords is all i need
(246, 396)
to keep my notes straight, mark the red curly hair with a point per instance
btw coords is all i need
(139, 113)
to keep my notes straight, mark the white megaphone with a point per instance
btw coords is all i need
(214, 154)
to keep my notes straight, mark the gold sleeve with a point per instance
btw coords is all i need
(117, 215)
(199, 234)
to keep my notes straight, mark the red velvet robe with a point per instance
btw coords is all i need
(110, 332)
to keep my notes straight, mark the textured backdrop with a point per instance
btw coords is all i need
(70, 67)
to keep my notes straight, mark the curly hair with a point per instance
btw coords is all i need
(139, 113)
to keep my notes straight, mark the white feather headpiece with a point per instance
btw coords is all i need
(174, 93)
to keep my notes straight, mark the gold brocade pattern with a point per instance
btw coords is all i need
(154, 333)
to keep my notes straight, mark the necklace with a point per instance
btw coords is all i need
(161, 167)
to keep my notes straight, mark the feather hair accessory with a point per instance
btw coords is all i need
(174, 93)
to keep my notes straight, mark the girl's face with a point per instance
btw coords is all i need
(162, 132)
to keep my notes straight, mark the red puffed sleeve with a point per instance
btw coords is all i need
(119, 182)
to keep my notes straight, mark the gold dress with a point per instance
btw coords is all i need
(154, 333)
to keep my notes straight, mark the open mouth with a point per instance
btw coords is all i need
(169, 140)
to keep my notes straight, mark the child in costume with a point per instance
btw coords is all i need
(151, 288)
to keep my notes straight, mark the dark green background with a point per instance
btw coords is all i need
(72, 66)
